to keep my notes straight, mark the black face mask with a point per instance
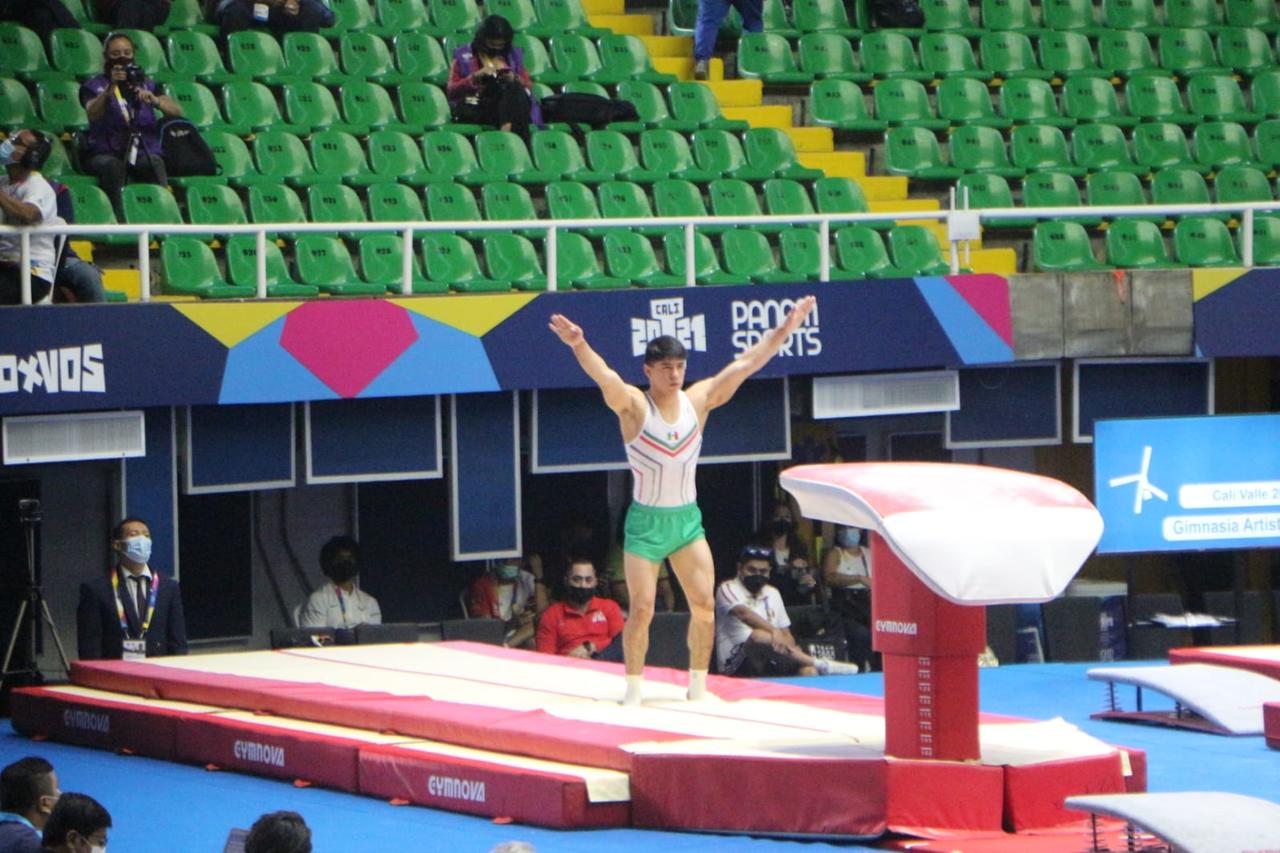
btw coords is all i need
(579, 595)
(754, 583)
(343, 570)
(782, 527)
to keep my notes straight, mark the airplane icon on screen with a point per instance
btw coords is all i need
(1146, 491)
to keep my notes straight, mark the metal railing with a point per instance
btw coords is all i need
(963, 226)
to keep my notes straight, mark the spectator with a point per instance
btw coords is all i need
(76, 280)
(340, 603)
(131, 612)
(279, 832)
(78, 824)
(40, 16)
(512, 593)
(583, 625)
(133, 14)
(28, 793)
(123, 142)
(488, 83)
(710, 15)
(753, 637)
(26, 198)
(278, 16)
(847, 571)
(792, 574)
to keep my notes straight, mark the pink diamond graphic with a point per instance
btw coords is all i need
(347, 344)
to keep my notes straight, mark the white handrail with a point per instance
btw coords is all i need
(688, 225)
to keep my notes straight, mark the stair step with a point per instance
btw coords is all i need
(680, 46)
(903, 205)
(603, 7)
(125, 280)
(636, 25)
(838, 164)
(881, 188)
(998, 261)
(812, 139)
(682, 66)
(773, 115)
(735, 93)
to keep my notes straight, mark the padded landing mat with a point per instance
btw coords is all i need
(1264, 660)
(1208, 698)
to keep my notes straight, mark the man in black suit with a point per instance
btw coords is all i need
(131, 612)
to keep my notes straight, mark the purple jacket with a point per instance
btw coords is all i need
(110, 134)
(464, 65)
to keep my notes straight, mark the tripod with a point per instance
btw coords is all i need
(32, 604)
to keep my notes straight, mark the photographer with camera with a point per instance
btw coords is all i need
(124, 129)
(488, 83)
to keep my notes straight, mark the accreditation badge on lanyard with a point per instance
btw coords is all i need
(135, 648)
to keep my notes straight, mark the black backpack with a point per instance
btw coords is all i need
(184, 150)
(579, 108)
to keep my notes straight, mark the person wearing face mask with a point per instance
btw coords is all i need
(28, 792)
(78, 824)
(512, 593)
(753, 631)
(26, 198)
(488, 82)
(847, 570)
(582, 625)
(792, 574)
(340, 603)
(132, 612)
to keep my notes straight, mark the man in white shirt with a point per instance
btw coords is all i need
(340, 603)
(26, 198)
(753, 636)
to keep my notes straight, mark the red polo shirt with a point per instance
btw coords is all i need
(562, 629)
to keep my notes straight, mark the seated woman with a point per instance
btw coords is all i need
(847, 570)
(488, 83)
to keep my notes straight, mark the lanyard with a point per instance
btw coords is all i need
(151, 603)
(123, 104)
(342, 604)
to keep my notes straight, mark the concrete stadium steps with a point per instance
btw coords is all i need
(682, 66)
(765, 115)
(735, 93)
(844, 164)
(634, 25)
(817, 139)
(662, 46)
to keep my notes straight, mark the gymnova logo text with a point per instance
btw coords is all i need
(753, 318)
(889, 626)
(90, 721)
(666, 317)
(259, 753)
(56, 371)
(456, 789)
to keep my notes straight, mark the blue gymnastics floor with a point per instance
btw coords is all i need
(167, 807)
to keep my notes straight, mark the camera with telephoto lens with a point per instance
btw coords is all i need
(134, 78)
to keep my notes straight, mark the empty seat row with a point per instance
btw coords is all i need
(916, 152)
(841, 103)
(890, 54)
(1064, 246)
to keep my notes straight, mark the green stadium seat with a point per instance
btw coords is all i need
(829, 56)
(1069, 55)
(626, 200)
(1126, 53)
(513, 258)
(349, 15)
(836, 194)
(507, 201)
(1265, 93)
(978, 191)
(674, 197)
(460, 17)
(419, 57)
(951, 16)
(721, 152)
(556, 154)
(1140, 15)
(366, 56)
(1062, 246)
(234, 163)
(16, 109)
(767, 56)
(1137, 244)
(92, 207)
(309, 56)
(575, 56)
(426, 104)
(1091, 99)
(576, 263)
(1266, 141)
(149, 204)
(1007, 54)
(734, 197)
(1188, 51)
(74, 52)
(275, 203)
(256, 54)
(60, 109)
(1245, 50)
(777, 19)
(312, 107)
(382, 262)
(916, 251)
(946, 55)
(650, 103)
(86, 19)
(1236, 184)
(1070, 15)
(1261, 14)
(22, 54)
(505, 153)
(902, 102)
(394, 157)
(1027, 100)
(562, 16)
(1154, 98)
(695, 104)
(611, 153)
(706, 264)
(333, 203)
(449, 202)
(1217, 97)
(537, 60)
(190, 269)
(338, 153)
(1222, 143)
(399, 16)
(887, 54)
(1104, 189)
(1017, 15)
(982, 149)
(1103, 147)
(192, 54)
(748, 256)
(915, 152)
(282, 158)
(771, 152)
(965, 101)
(573, 200)
(1201, 241)
(630, 257)
(1160, 145)
(58, 165)
(840, 104)
(198, 105)
(1192, 14)
(394, 202)
(823, 16)
(519, 13)
(1266, 241)
(667, 153)
(250, 105)
(214, 204)
(325, 263)
(1178, 186)
(367, 104)
(787, 197)
(624, 57)
(449, 156)
(801, 253)
(451, 259)
(242, 268)
(1054, 189)
(860, 253)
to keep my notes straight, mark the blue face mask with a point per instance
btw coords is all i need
(848, 538)
(138, 548)
(6, 151)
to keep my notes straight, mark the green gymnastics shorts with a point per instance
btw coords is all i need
(657, 532)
